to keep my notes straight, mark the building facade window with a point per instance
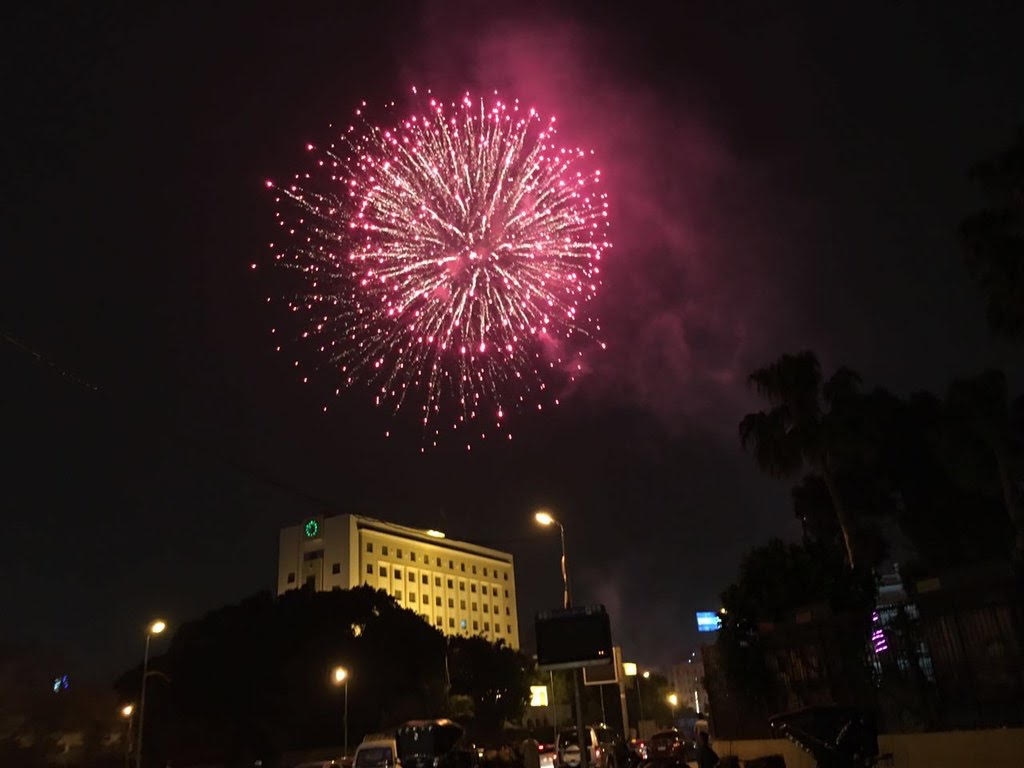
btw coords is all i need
(369, 568)
(505, 574)
(487, 627)
(439, 562)
(495, 609)
(451, 623)
(437, 601)
(412, 597)
(439, 621)
(398, 594)
(485, 571)
(474, 569)
(509, 628)
(398, 574)
(398, 554)
(384, 550)
(473, 606)
(412, 556)
(291, 578)
(507, 612)
(486, 608)
(426, 599)
(451, 584)
(412, 576)
(462, 586)
(472, 587)
(462, 604)
(383, 571)
(451, 603)
(437, 581)
(425, 579)
(506, 594)
(463, 567)
(369, 546)
(476, 626)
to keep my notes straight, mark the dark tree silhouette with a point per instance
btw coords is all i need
(252, 680)
(994, 240)
(494, 676)
(980, 413)
(811, 424)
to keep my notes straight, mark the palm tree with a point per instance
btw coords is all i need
(807, 425)
(980, 407)
(994, 240)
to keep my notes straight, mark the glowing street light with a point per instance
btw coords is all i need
(435, 534)
(544, 518)
(647, 674)
(673, 701)
(126, 712)
(156, 627)
(339, 676)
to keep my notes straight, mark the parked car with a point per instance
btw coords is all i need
(547, 755)
(377, 751)
(669, 746)
(606, 748)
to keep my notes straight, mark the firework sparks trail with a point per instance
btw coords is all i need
(448, 260)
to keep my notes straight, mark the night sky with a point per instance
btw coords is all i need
(782, 177)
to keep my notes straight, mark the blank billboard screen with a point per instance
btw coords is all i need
(577, 637)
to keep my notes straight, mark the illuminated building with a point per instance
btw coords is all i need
(457, 587)
(687, 678)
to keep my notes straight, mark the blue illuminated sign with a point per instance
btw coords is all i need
(708, 621)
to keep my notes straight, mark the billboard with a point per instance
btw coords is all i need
(575, 637)
(607, 673)
(708, 621)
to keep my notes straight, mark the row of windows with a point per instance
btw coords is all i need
(464, 625)
(426, 560)
(382, 570)
(451, 603)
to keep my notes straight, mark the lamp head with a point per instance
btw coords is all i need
(339, 675)
(544, 517)
(157, 627)
(127, 710)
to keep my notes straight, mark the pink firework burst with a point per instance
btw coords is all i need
(448, 260)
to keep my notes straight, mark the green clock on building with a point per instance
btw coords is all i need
(311, 528)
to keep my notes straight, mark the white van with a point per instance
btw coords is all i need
(377, 751)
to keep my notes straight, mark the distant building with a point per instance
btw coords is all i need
(458, 587)
(687, 680)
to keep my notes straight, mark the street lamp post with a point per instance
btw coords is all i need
(128, 713)
(545, 518)
(155, 628)
(640, 695)
(340, 677)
